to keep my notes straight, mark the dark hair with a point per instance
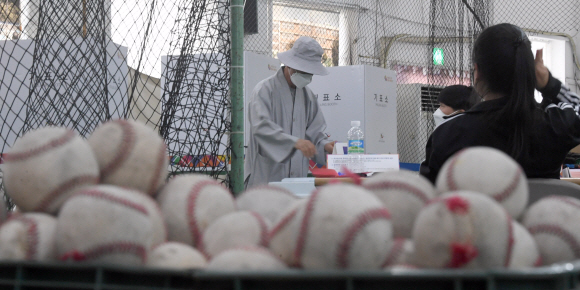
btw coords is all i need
(458, 97)
(505, 65)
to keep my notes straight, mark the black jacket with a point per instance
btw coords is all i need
(553, 137)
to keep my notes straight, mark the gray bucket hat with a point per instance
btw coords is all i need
(305, 56)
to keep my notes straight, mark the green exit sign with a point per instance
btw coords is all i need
(438, 56)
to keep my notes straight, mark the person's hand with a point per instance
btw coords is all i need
(307, 148)
(329, 147)
(542, 72)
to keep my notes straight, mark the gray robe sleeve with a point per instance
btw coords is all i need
(315, 130)
(272, 142)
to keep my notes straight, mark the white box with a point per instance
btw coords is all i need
(364, 93)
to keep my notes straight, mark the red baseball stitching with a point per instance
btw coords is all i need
(263, 229)
(510, 188)
(64, 188)
(106, 249)
(398, 185)
(565, 199)
(510, 245)
(457, 204)
(359, 223)
(104, 195)
(191, 208)
(127, 142)
(450, 180)
(158, 169)
(301, 240)
(32, 237)
(395, 252)
(282, 223)
(558, 232)
(20, 156)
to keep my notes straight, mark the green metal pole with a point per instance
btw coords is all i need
(237, 95)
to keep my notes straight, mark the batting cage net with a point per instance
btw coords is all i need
(167, 63)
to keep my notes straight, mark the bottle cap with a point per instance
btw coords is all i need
(355, 123)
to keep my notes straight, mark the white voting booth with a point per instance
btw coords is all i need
(364, 93)
(347, 93)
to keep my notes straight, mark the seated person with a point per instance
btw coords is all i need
(537, 136)
(452, 100)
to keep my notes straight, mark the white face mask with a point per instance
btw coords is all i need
(438, 117)
(300, 80)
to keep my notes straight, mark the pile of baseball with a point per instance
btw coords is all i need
(106, 200)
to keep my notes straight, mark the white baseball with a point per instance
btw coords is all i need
(282, 237)
(176, 255)
(130, 154)
(489, 171)
(525, 252)
(340, 226)
(29, 236)
(236, 229)
(106, 224)
(554, 222)
(403, 193)
(463, 229)
(246, 259)
(156, 217)
(46, 166)
(190, 203)
(269, 201)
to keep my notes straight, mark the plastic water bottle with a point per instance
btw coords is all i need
(356, 147)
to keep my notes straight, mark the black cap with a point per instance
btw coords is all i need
(457, 97)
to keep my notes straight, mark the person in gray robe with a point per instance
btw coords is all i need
(286, 124)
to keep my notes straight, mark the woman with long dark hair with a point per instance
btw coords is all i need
(537, 136)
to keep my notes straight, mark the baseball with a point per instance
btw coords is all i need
(268, 201)
(489, 171)
(190, 203)
(525, 252)
(403, 193)
(246, 259)
(401, 253)
(106, 224)
(463, 229)
(282, 237)
(340, 226)
(236, 229)
(130, 154)
(174, 255)
(156, 216)
(29, 236)
(45, 166)
(553, 222)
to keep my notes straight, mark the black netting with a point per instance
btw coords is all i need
(80, 63)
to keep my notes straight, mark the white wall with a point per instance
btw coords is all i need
(66, 18)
